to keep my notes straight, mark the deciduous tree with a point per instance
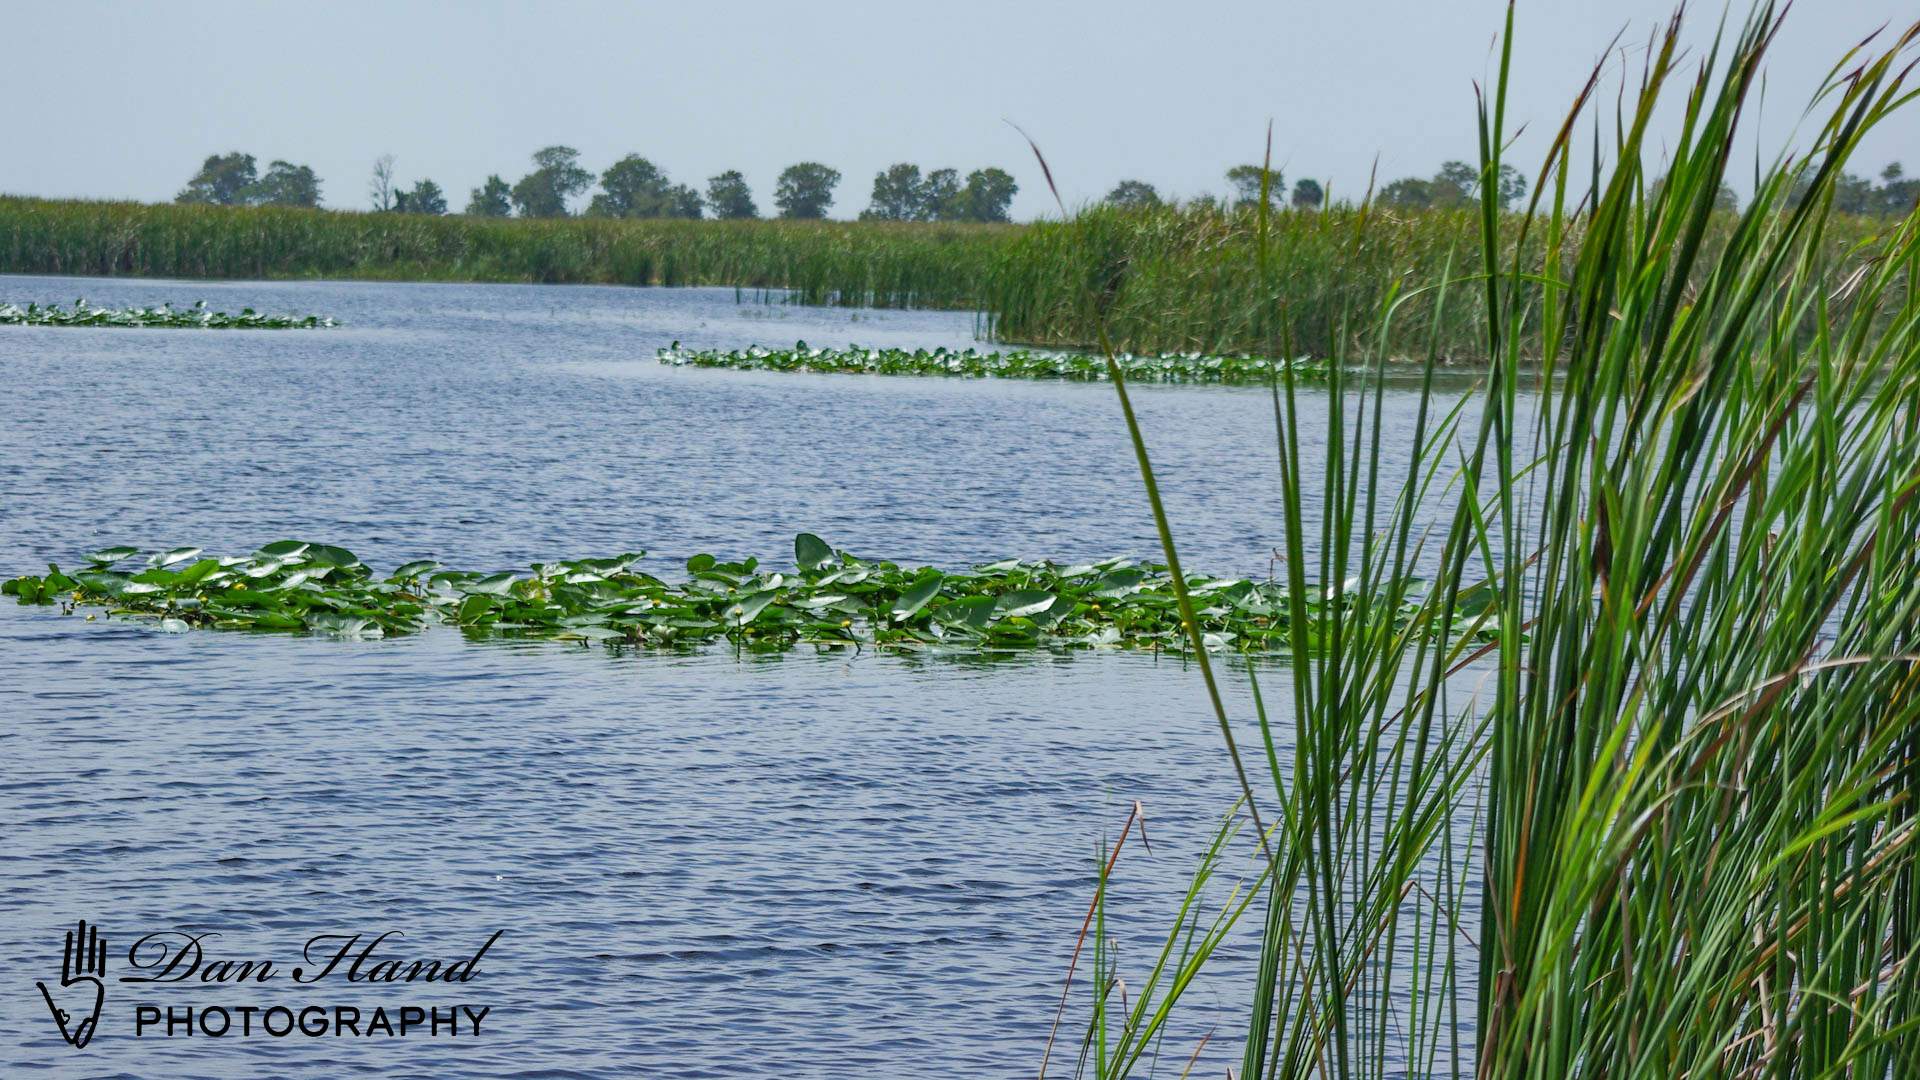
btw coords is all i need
(896, 194)
(380, 187)
(490, 199)
(556, 178)
(941, 197)
(805, 190)
(223, 180)
(1411, 193)
(285, 184)
(425, 198)
(1246, 181)
(729, 197)
(634, 187)
(989, 195)
(1133, 195)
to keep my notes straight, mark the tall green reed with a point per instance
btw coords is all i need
(891, 265)
(1175, 279)
(1663, 824)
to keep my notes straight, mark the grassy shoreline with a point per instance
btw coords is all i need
(1163, 280)
(823, 262)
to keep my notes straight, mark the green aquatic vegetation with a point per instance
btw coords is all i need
(1664, 823)
(1198, 277)
(197, 317)
(878, 264)
(1017, 364)
(1216, 279)
(829, 598)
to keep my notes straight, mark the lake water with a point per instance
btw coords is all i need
(800, 866)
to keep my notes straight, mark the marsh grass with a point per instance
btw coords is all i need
(1207, 279)
(1662, 824)
(821, 262)
(1191, 278)
(1175, 280)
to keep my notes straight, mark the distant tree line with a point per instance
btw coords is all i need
(425, 197)
(1247, 182)
(1457, 184)
(1894, 196)
(900, 193)
(632, 187)
(234, 180)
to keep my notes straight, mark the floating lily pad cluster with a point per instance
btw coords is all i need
(197, 317)
(830, 599)
(1016, 364)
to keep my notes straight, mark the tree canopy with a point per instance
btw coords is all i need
(988, 195)
(491, 199)
(1133, 195)
(941, 196)
(805, 190)
(285, 184)
(1454, 186)
(1247, 180)
(900, 193)
(896, 195)
(424, 198)
(556, 178)
(1895, 195)
(729, 197)
(223, 180)
(230, 180)
(634, 187)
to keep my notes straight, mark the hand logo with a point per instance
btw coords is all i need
(82, 967)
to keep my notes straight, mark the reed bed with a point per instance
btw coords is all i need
(1174, 279)
(1167, 280)
(1221, 280)
(1663, 824)
(821, 262)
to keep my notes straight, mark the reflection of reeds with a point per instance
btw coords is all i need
(1663, 824)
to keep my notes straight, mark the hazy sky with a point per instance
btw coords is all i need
(123, 100)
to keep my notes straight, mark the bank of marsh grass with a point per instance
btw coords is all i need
(1195, 278)
(1664, 824)
(862, 263)
(1217, 280)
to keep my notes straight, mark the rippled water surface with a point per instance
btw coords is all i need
(802, 866)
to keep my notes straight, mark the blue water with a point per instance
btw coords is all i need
(800, 866)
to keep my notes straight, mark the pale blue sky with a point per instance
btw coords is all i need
(123, 100)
